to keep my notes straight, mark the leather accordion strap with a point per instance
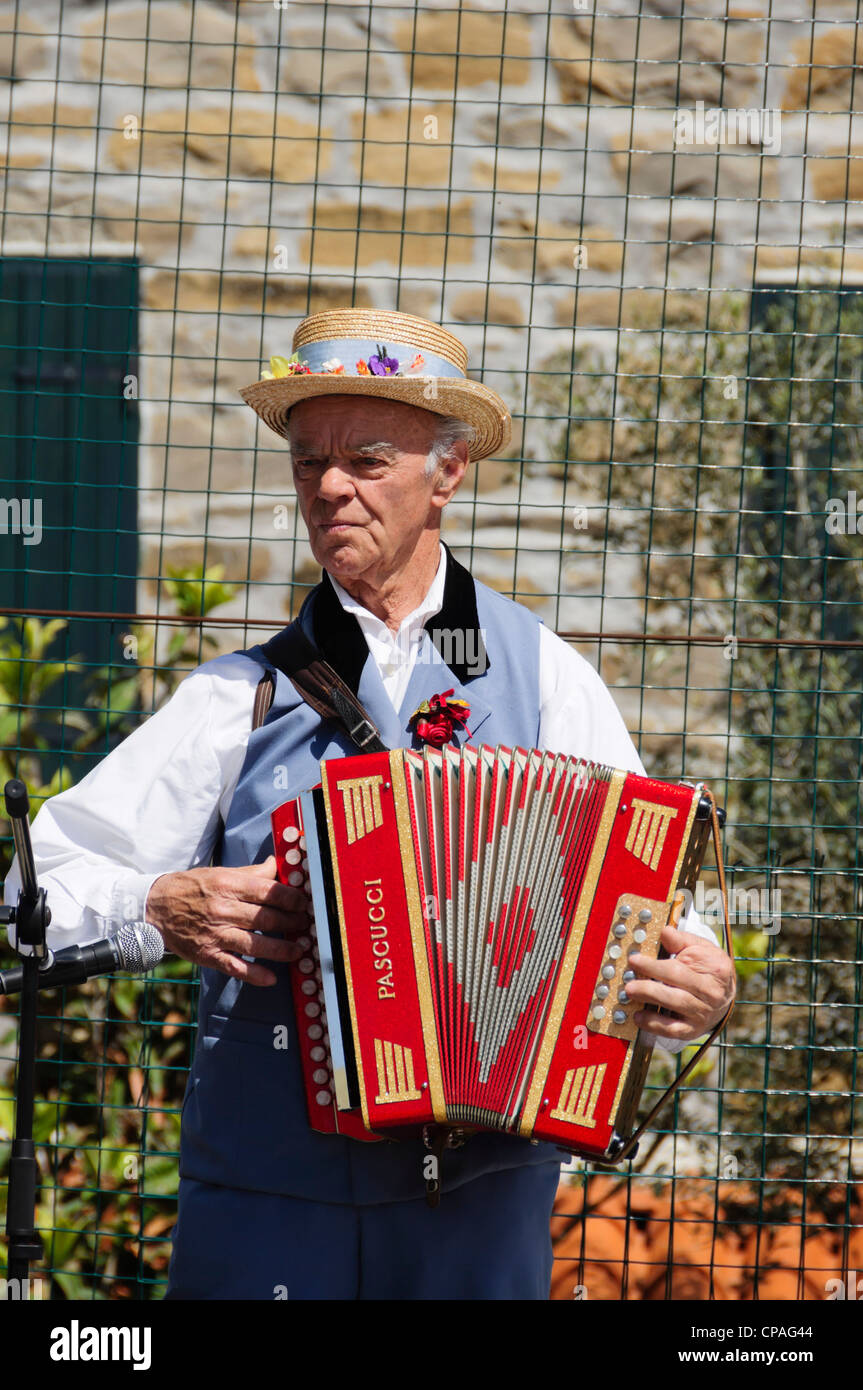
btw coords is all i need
(319, 685)
(708, 1041)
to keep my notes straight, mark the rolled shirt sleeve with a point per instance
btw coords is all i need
(152, 806)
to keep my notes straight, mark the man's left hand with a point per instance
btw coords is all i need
(695, 984)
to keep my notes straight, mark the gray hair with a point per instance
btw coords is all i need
(449, 431)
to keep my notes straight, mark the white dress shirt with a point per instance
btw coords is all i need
(154, 804)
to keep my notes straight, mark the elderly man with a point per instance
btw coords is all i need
(382, 423)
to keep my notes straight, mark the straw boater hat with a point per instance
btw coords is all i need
(373, 352)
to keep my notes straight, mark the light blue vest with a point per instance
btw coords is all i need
(244, 1116)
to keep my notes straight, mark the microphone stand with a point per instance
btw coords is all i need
(31, 916)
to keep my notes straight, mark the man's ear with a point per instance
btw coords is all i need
(449, 473)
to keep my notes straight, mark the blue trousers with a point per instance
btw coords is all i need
(488, 1239)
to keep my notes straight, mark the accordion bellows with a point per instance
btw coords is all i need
(474, 911)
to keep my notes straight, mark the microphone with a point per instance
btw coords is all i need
(135, 948)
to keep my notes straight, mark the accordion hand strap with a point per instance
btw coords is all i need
(711, 1038)
(319, 685)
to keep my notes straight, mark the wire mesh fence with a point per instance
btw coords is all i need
(642, 219)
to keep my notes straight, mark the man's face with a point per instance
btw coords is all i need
(360, 474)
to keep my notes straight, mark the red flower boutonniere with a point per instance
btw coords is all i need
(436, 718)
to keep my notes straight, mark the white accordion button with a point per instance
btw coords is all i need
(293, 856)
(608, 972)
(599, 1012)
(309, 987)
(614, 951)
(320, 1076)
(302, 842)
(639, 934)
(314, 1032)
(290, 834)
(323, 1098)
(318, 1054)
(312, 1010)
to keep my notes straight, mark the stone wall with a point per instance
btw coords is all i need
(520, 175)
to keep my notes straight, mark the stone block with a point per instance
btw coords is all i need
(824, 74)
(529, 128)
(23, 43)
(419, 236)
(332, 59)
(414, 298)
(548, 249)
(488, 48)
(392, 147)
(240, 143)
(649, 164)
(838, 175)
(647, 60)
(238, 291)
(491, 306)
(508, 179)
(256, 242)
(178, 45)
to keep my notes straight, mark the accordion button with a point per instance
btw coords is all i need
(619, 929)
(312, 1010)
(323, 1098)
(293, 856)
(295, 878)
(305, 866)
(309, 987)
(314, 1032)
(318, 1054)
(306, 965)
(304, 941)
(320, 1076)
(608, 972)
(290, 833)
(629, 974)
(639, 935)
(625, 910)
(602, 991)
(599, 1012)
(623, 997)
(302, 842)
(645, 914)
(615, 952)
(619, 1016)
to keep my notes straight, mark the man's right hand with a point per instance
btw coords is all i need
(216, 916)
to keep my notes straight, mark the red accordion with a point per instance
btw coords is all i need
(473, 915)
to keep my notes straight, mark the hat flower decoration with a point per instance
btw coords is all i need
(382, 353)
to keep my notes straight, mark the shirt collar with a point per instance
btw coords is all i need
(376, 627)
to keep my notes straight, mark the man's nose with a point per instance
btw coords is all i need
(334, 483)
